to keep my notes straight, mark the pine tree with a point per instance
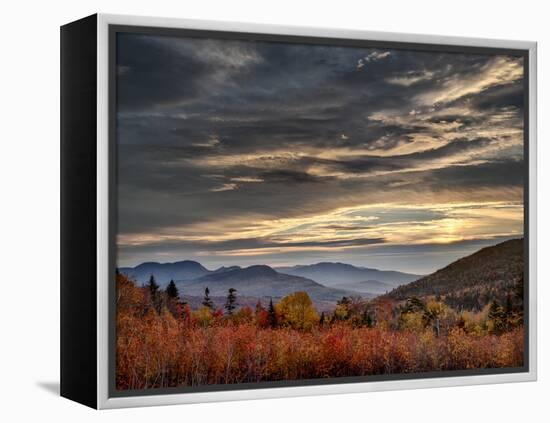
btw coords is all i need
(322, 319)
(156, 299)
(370, 322)
(518, 303)
(366, 319)
(272, 316)
(413, 305)
(508, 308)
(172, 290)
(494, 311)
(207, 302)
(173, 301)
(345, 301)
(231, 301)
(518, 290)
(498, 317)
(153, 286)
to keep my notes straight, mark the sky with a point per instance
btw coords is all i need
(237, 152)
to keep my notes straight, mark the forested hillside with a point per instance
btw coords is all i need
(491, 274)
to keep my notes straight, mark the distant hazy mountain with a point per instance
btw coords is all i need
(475, 280)
(346, 276)
(164, 272)
(260, 281)
(322, 281)
(225, 269)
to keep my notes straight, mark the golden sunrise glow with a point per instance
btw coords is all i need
(430, 223)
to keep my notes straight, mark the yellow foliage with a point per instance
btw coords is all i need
(203, 316)
(476, 323)
(244, 315)
(341, 312)
(412, 321)
(297, 311)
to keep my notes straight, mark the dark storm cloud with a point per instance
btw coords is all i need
(498, 174)
(287, 93)
(213, 132)
(510, 95)
(149, 73)
(278, 96)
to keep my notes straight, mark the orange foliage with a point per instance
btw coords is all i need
(159, 350)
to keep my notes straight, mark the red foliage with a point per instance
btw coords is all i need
(158, 350)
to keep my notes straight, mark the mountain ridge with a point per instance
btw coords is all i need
(164, 272)
(346, 276)
(489, 273)
(261, 281)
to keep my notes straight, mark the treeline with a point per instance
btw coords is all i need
(439, 313)
(161, 342)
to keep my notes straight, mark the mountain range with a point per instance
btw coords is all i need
(255, 281)
(260, 281)
(322, 281)
(346, 276)
(492, 272)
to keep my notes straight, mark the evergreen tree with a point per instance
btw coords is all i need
(345, 301)
(152, 286)
(207, 302)
(173, 302)
(271, 314)
(495, 310)
(322, 319)
(231, 301)
(509, 307)
(498, 317)
(366, 319)
(518, 303)
(518, 289)
(369, 322)
(172, 290)
(154, 293)
(413, 305)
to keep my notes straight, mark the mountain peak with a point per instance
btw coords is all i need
(186, 263)
(260, 270)
(335, 264)
(226, 269)
(164, 272)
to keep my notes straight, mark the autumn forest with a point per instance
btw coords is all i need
(163, 342)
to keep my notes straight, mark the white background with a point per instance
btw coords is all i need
(29, 209)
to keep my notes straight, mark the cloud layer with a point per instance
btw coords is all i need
(233, 152)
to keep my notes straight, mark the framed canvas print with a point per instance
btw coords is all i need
(254, 211)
